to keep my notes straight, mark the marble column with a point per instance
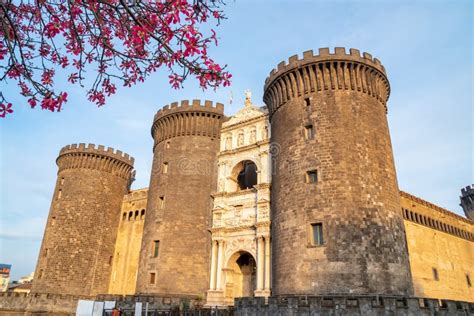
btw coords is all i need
(260, 263)
(212, 286)
(267, 263)
(220, 259)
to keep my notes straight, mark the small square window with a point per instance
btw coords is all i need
(309, 132)
(165, 167)
(435, 274)
(312, 176)
(468, 280)
(317, 234)
(152, 277)
(156, 248)
(307, 101)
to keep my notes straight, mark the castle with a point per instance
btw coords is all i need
(295, 198)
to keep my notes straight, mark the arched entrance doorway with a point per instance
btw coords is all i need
(240, 276)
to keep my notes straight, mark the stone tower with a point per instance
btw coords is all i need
(175, 252)
(337, 222)
(78, 245)
(467, 201)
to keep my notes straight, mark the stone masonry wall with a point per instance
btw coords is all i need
(356, 198)
(123, 279)
(350, 306)
(78, 244)
(440, 241)
(184, 175)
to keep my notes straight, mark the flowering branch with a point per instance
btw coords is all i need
(123, 41)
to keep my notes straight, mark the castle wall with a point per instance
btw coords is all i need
(123, 279)
(438, 239)
(183, 176)
(355, 198)
(78, 244)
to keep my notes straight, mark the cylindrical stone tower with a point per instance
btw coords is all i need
(337, 224)
(79, 239)
(175, 253)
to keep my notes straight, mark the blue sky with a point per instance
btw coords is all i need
(426, 47)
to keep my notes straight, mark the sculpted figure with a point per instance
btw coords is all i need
(228, 142)
(253, 136)
(240, 139)
(265, 132)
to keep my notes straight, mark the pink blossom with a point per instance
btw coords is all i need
(124, 48)
(5, 109)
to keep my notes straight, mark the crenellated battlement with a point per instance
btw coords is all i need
(95, 157)
(298, 77)
(325, 55)
(188, 118)
(467, 201)
(467, 191)
(99, 150)
(194, 105)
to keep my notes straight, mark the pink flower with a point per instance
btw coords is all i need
(175, 81)
(5, 109)
(51, 29)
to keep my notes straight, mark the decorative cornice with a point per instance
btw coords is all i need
(232, 229)
(435, 207)
(244, 122)
(261, 186)
(236, 150)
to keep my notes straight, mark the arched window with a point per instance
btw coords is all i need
(247, 176)
(124, 216)
(136, 214)
(130, 215)
(142, 214)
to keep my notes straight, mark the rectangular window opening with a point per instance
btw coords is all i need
(62, 180)
(161, 203)
(307, 101)
(111, 259)
(156, 248)
(152, 277)
(309, 132)
(46, 250)
(468, 280)
(312, 176)
(59, 193)
(435, 274)
(317, 234)
(165, 167)
(168, 144)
